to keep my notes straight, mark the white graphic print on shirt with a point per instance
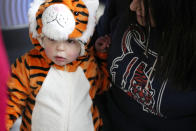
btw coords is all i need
(135, 76)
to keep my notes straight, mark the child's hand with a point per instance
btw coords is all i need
(102, 43)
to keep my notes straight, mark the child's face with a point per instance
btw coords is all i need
(61, 52)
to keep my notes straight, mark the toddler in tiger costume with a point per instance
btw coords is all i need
(53, 85)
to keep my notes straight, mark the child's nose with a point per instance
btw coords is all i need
(60, 47)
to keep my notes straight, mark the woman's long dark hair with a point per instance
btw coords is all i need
(176, 20)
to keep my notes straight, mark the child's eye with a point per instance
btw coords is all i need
(70, 41)
(51, 39)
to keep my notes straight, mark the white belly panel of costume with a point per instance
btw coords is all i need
(63, 103)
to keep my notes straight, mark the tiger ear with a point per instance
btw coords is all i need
(92, 6)
(34, 6)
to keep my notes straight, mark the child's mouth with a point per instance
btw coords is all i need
(61, 59)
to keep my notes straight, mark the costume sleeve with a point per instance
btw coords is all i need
(103, 73)
(17, 91)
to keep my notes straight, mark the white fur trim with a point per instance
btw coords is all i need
(82, 51)
(58, 22)
(34, 6)
(92, 6)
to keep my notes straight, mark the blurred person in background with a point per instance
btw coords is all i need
(4, 73)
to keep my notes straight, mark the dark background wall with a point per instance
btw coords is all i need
(17, 42)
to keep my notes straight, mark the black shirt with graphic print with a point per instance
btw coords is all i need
(137, 100)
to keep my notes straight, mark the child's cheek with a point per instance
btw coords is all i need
(73, 54)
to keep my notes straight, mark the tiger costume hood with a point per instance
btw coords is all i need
(62, 20)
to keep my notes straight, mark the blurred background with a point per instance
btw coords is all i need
(14, 26)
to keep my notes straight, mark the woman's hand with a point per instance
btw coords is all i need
(102, 43)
